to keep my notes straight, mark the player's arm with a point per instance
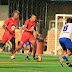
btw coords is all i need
(5, 25)
(21, 29)
(25, 26)
(5, 28)
(37, 31)
(26, 29)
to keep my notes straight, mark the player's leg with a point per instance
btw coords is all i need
(2, 44)
(23, 40)
(64, 50)
(68, 44)
(23, 47)
(34, 45)
(64, 53)
(19, 47)
(69, 54)
(65, 57)
(13, 47)
(61, 58)
(4, 40)
(32, 40)
(28, 45)
(29, 53)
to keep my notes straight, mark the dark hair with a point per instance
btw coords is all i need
(33, 14)
(69, 20)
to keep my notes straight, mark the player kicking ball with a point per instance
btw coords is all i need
(9, 34)
(65, 42)
(29, 27)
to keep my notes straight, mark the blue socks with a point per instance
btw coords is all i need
(64, 57)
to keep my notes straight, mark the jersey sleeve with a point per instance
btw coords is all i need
(6, 21)
(26, 23)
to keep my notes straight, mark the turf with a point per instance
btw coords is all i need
(48, 64)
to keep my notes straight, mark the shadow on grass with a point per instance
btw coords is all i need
(23, 67)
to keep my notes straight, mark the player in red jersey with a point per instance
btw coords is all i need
(29, 27)
(9, 34)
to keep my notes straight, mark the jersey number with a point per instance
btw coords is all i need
(65, 28)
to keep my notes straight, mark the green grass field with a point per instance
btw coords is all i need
(48, 64)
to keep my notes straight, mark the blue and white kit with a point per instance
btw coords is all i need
(65, 35)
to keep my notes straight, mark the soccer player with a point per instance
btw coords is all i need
(27, 45)
(29, 27)
(9, 34)
(65, 41)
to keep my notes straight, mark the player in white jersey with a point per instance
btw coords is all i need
(65, 41)
(66, 31)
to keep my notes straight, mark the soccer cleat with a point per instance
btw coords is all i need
(34, 58)
(27, 58)
(12, 56)
(69, 64)
(61, 61)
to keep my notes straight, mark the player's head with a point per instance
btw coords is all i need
(33, 17)
(16, 14)
(69, 20)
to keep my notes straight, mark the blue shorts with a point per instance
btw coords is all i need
(65, 43)
(27, 43)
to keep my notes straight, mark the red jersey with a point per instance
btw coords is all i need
(30, 24)
(11, 24)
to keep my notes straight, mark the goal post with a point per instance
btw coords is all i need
(64, 16)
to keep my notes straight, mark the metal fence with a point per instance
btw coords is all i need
(26, 8)
(45, 10)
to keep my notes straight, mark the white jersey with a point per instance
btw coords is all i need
(66, 31)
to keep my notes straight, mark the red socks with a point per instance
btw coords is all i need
(11, 54)
(15, 51)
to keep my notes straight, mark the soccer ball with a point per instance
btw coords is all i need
(38, 58)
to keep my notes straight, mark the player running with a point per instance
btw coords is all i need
(9, 34)
(65, 41)
(29, 27)
(27, 45)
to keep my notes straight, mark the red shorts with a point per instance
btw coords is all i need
(6, 37)
(26, 37)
